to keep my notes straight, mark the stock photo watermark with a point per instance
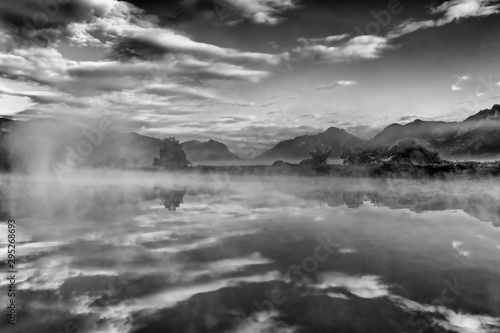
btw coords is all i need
(48, 9)
(299, 275)
(486, 89)
(83, 149)
(382, 19)
(68, 327)
(11, 273)
(224, 10)
(449, 294)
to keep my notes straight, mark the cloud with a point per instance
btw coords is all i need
(133, 34)
(456, 85)
(170, 297)
(410, 26)
(347, 83)
(457, 9)
(257, 11)
(451, 11)
(340, 50)
(457, 245)
(367, 286)
(218, 70)
(40, 65)
(263, 322)
(347, 251)
(41, 97)
(147, 68)
(48, 14)
(178, 90)
(168, 42)
(342, 83)
(42, 22)
(184, 66)
(449, 319)
(336, 38)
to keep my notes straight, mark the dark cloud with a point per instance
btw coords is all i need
(169, 11)
(34, 19)
(128, 49)
(229, 12)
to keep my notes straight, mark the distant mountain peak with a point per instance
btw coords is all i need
(478, 135)
(208, 151)
(40, 140)
(334, 129)
(487, 114)
(299, 147)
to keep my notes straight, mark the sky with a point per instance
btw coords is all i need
(248, 73)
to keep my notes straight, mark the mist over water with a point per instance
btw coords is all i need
(116, 251)
(249, 166)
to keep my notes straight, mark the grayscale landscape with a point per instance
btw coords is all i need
(249, 166)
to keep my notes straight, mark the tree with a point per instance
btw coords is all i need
(320, 154)
(411, 152)
(172, 157)
(404, 152)
(366, 154)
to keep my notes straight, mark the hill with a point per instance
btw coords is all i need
(208, 151)
(298, 148)
(34, 145)
(476, 137)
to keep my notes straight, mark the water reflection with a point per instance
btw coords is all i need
(171, 199)
(268, 255)
(483, 206)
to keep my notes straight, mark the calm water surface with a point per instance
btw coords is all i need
(213, 253)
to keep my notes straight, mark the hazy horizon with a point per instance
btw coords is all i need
(249, 71)
(105, 228)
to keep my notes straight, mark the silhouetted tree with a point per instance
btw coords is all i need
(320, 154)
(404, 152)
(411, 152)
(366, 154)
(172, 157)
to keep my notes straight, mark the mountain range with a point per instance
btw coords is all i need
(36, 144)
(476, 137)
(211, 150)
(299, 147)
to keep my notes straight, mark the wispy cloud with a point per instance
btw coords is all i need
(344, 83)
(43, 97)
(339, 49)
(456, 86)
(457, 245)
(144, 60)
(450, 11)
(257, 11)
(342, 48)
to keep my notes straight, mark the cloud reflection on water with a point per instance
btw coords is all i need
(201, 266)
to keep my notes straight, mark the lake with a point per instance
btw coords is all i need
(136, 252)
